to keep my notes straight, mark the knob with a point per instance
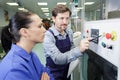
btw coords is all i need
(108, 35)
(110, 47)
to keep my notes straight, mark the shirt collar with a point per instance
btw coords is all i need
(21, 52)
(55, 31)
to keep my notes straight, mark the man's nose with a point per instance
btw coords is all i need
(65, 21)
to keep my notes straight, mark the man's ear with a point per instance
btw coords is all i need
(53, 18)
(23, 32)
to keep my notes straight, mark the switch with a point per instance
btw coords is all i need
(109, 46)
(103, 44)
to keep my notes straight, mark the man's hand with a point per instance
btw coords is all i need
(84, 44)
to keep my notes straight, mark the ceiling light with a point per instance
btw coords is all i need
(12, 3)
(46, 13)
(42, 3)
(89, 3)
(78, 8)
(22, 9)
(64, 3)
(44, 8)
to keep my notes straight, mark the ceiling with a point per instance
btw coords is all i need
(32, 5)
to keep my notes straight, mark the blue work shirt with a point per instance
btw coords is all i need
(51, 50)
(19, 65)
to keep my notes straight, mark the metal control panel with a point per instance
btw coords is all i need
(106, 39)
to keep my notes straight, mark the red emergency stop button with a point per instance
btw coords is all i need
(108, 35)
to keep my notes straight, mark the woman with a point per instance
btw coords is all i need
(21, 63)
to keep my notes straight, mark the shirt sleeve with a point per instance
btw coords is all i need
(52, 51)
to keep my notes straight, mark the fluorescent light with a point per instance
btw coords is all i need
(47, 13)
(42, 3)
(22, 9)
(78, 8)
(45, 10)
(89, 3)
(64, 3)
(12, 3)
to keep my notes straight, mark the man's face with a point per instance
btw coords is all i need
(61, 20)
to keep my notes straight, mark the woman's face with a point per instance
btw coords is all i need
(36, 31)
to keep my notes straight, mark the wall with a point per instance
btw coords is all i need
(2, 18)
(38, 49)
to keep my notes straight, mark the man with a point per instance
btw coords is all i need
(58, 44)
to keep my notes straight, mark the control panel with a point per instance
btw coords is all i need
(106, 39)
(94, 35)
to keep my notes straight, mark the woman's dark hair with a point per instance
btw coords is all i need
(6, 38)
(10, 33)
(60, 9)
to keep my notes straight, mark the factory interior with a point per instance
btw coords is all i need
(99, 19)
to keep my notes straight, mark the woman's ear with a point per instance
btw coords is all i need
(23, 32)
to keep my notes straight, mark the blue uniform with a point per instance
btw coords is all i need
(19, 65)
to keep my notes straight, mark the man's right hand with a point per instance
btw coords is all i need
(84, 44)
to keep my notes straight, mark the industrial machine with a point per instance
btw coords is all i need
(104, 50)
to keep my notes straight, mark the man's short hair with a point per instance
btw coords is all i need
(60, 9)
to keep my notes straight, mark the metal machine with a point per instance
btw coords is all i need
(104, 50)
